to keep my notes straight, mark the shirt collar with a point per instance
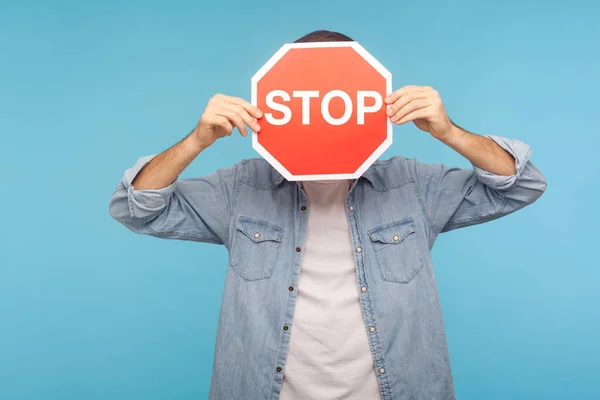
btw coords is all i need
(367, 175)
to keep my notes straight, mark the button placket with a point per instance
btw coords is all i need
(363, 288)
(302, 205)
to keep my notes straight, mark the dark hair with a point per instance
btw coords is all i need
(324, 36)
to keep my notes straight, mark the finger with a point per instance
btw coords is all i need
(223, 122)
(403, 101)
(247, 118)
(250, 109)
(410, 107)
(392, 97)
(235, 119)
(421, 113)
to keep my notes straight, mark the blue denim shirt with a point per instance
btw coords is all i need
(395, 212)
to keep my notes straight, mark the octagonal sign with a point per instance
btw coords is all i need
(324, 110)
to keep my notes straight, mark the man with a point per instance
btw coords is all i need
(330, 291)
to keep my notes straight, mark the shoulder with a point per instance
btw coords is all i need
(391, 173)
(258, 173)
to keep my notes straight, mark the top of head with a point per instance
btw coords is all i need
(324, 36)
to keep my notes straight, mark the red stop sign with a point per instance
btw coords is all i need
(325, 114)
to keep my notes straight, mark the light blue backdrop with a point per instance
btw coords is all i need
(89, 310)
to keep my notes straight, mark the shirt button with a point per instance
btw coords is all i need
(372, 329)
(363, 289)
(291, 288)
(381, 370)
(396, 238)
(351, 208)
(257, 235)
(358, 249)
(285, 327)
(298, 249)
(303, 208)
(278, 369)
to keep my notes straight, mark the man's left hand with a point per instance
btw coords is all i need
(423, 106)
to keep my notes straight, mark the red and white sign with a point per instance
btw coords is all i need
(324, 110)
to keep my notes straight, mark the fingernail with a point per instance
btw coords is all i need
(256, 128)
(390, 112)
(258, 114)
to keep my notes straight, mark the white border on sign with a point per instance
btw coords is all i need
(272, 61)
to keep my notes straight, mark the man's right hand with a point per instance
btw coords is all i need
(222, 115)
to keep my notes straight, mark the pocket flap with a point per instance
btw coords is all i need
(393, 232)
(259, 230)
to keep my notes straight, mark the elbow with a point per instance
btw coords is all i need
(113, 210)
(118, 207)
(533, 179)
(135, 212)
(538, 190)
(529, 187)
(538, 180)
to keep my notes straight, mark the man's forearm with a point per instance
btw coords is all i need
(481, 151)
(166, 167)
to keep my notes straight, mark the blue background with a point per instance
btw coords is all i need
(89, 310)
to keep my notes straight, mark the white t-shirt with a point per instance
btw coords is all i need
(329, 355)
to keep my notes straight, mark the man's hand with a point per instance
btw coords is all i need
(222, 114)
(421, 105)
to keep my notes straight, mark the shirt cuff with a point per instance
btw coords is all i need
(144, 203)
(521, 153)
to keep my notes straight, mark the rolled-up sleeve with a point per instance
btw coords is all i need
(143, 203)
(520, 152)
(455, 198)
(195, 209)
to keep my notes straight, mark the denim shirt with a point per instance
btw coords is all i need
(395, 212)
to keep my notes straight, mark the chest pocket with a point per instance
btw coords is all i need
(396, 250)
(255, 248)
